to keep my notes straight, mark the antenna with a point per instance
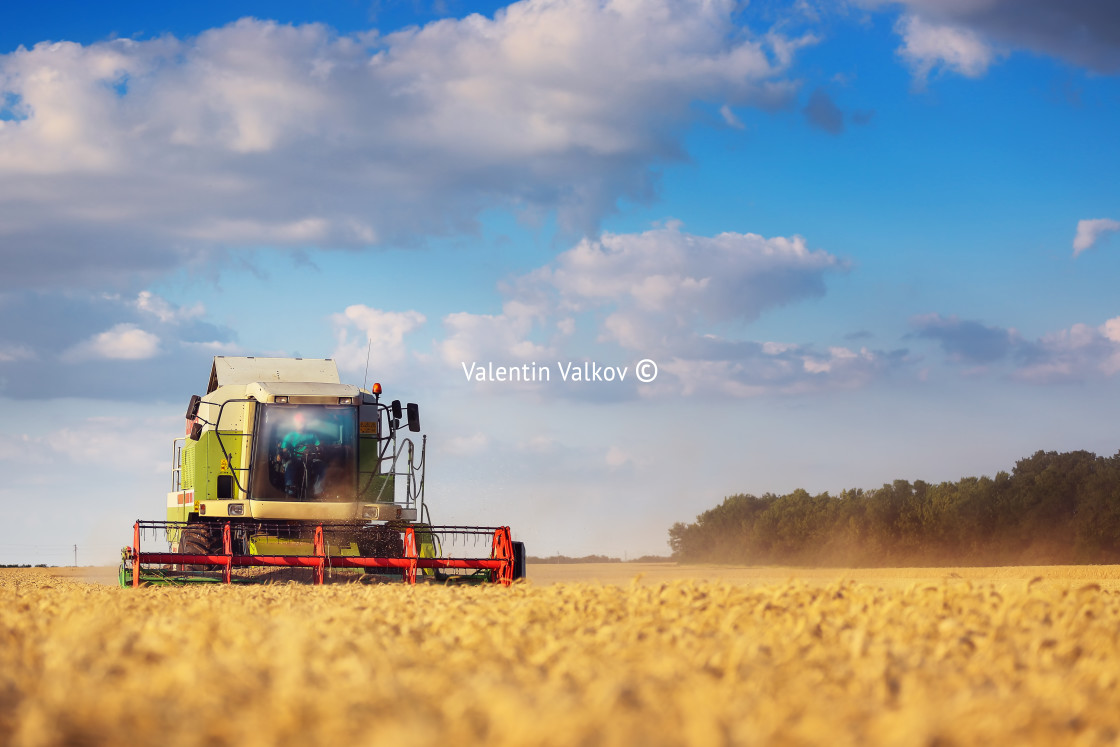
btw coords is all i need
(365, 379)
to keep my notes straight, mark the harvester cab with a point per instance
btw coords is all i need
(284, 467)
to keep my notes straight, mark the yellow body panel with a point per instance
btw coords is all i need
(292, 510)
(305, 511)
(266, 545)
(222, 509)
(316, 511)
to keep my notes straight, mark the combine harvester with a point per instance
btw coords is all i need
(286, 474)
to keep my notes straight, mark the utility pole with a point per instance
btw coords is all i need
(75, 556)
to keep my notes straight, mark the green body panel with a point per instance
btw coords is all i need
(210, 461)
(372, 487)
(202, 462)
(186, 465)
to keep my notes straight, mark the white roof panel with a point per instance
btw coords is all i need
(235, 370)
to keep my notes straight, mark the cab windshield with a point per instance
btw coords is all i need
(304, 453)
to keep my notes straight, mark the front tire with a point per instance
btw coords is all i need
(200, 539)
(382, 542)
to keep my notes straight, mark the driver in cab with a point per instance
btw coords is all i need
(293, 454)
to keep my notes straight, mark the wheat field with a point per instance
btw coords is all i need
(741, 660)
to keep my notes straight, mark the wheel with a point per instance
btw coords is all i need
(518, 560)
(200, 539)
(382, 542)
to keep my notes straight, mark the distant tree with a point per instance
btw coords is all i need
(1052, 507)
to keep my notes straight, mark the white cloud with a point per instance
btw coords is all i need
(1081, 352)
(665, 270)
(962, 35)
(260, 133)
(500, 338)
(361, 328)
(122, 342)
(730, 118)
(131, 443)
(13, 353)
(1089, 233)
(1075, 354)
(653, 294)
(215, 347)
(785, 49)
(927, 45)
(150, 303)
(655, 287)
(1111, 330)
(661, 287)
(632, 330)
(741, 370)
(129, 345)
(712, 378)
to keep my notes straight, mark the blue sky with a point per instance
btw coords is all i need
(863, 241)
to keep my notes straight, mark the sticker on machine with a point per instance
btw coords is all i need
(182, 498)
(367, 427)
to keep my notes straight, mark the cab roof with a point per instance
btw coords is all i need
(232, 370)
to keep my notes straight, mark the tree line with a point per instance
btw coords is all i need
(1054, 508)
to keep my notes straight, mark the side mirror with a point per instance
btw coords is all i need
(413, 417)
(196, 431)
(192, 408)
(396, 409)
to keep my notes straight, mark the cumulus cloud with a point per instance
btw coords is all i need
(650, 287)
(361, 329)
(1078, 353)
(730, 118)
(1075, 354)
(928, 45)
(10, 353)
(214, 347)
(711, 366)
(657, 294)
(485, 337)
(130, 157)
(1089, 232)
(105, 345)
(967, 35)
(965, 341)
(729, 276)
(166, 312)
(119, 442)
(122, 342)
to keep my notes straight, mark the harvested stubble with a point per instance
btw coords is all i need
(568, 664)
